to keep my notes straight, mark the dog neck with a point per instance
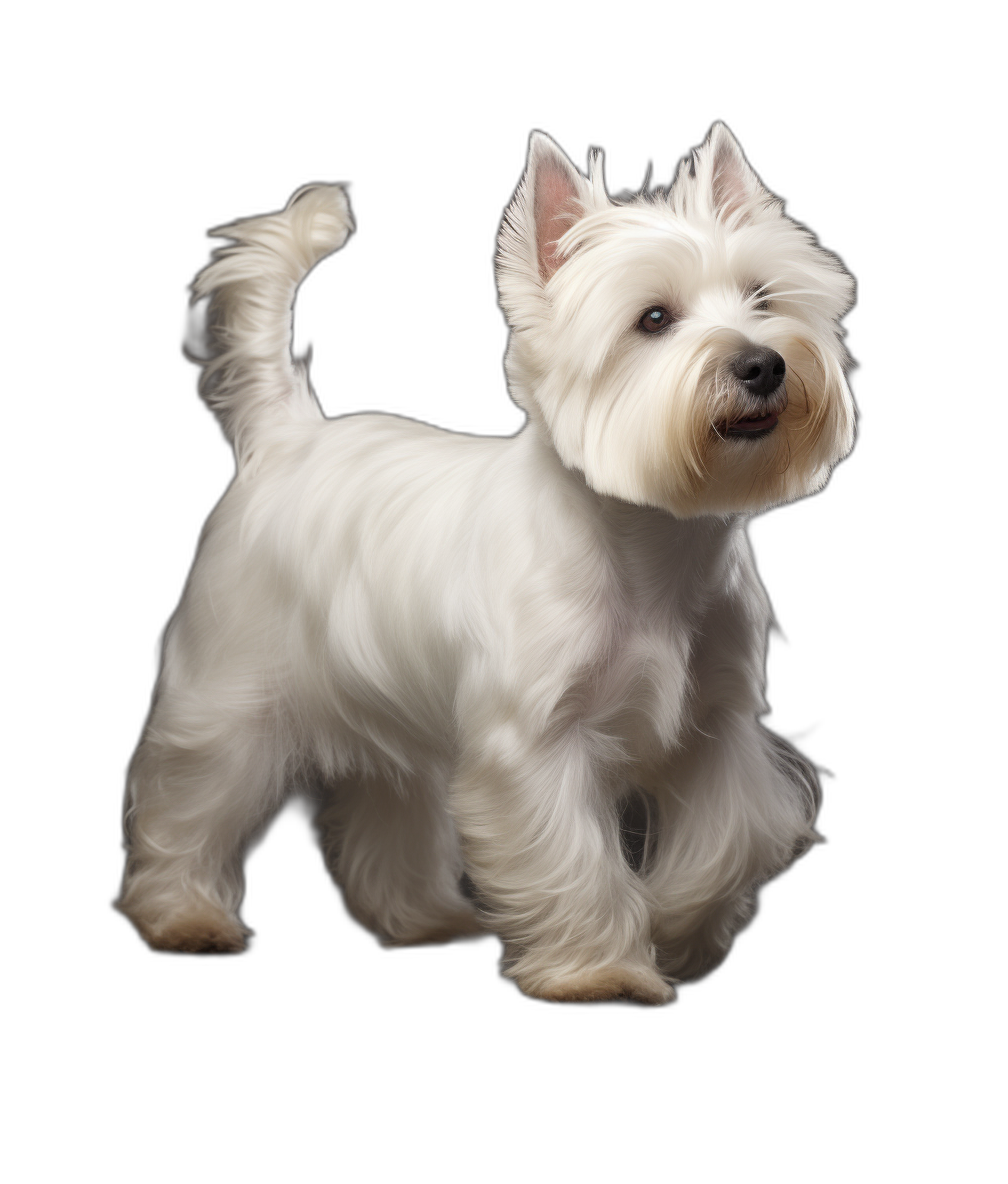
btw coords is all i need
(661, 563)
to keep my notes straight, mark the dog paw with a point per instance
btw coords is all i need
(202, 931)
(638, 983)
(464, 923)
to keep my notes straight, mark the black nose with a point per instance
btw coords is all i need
(760, 371)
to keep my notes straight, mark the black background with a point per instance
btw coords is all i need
(404, 320)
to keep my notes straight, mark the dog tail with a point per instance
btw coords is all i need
(250, 378)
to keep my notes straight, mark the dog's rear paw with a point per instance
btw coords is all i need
(638, 983)
(202, 929)
(463, 923)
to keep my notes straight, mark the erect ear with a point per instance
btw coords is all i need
(735, 190)
(551, 196)
(559, 196)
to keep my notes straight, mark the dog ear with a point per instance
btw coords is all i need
(735, 190)
(560, 195)
(551, 196)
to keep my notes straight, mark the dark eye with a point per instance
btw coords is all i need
(760, 298)
(656, 319)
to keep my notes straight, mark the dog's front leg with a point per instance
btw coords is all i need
(739, 806)
(541, 843)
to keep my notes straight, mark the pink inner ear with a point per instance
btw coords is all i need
(556, 211)
(731, 183)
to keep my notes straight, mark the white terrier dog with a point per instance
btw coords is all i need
(526, 674)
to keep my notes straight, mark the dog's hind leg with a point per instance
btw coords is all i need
(202, 782)
(394, 851)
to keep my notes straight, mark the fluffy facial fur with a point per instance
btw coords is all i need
(640, 417)
(522, 675)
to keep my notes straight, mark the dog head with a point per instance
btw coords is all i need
(681, 346)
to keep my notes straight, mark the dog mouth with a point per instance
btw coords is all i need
(761, 421)
(752, 428)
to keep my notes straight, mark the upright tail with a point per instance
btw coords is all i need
(250, 379)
